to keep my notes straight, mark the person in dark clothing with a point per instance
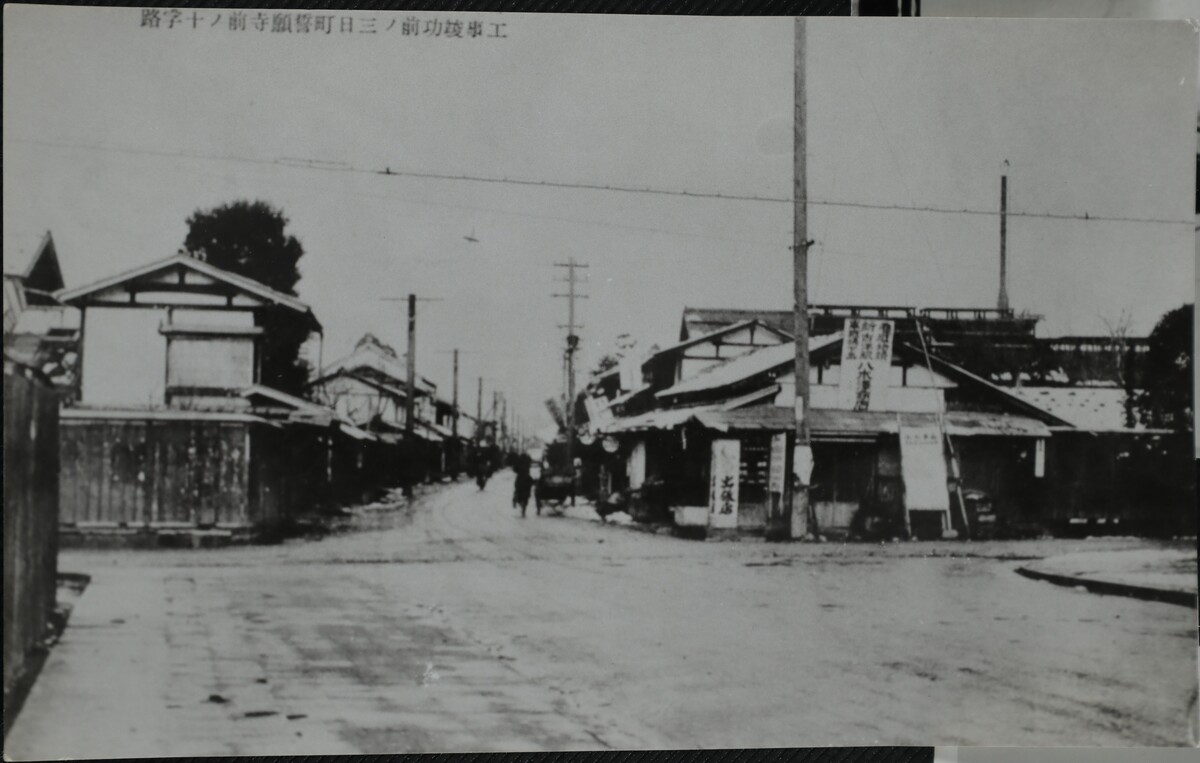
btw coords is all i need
(524, 484)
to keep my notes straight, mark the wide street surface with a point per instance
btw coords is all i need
(456, 625)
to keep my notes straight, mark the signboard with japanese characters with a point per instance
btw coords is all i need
(923, 467)
(723, 490)
(777, 474)
(866, 358)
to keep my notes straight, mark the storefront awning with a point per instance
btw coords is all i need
(841, 425)
(654, 420)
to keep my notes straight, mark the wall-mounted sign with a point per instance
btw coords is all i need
(866, 358)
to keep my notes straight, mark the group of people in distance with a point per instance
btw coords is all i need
(524, 468)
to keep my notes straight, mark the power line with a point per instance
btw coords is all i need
(334, 166)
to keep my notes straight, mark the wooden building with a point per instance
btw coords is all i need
(712, 448)
(39, 331)
(369, 387)
(171, 432)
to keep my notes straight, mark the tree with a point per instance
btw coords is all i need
(1165, 400)
(1122, 366)
(606, 363)
(249, 238)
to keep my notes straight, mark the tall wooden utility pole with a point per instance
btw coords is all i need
(797, 525)
(477, 432)
(572, 345)
(454, 418)
(411, 388)
(1002, 301)
(503, 424)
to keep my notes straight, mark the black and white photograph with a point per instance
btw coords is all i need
(412, 382)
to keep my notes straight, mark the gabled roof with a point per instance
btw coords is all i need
(397, 390)
(183, 261)
(705, 320)
(718, 333)
(1004, 392)
(368, 357)
(745, 366)
(41, 271)
(761, 361)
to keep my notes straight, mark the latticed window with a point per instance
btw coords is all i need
(755, 468)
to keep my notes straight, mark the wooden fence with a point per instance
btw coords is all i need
(141, 474)
(30, 514)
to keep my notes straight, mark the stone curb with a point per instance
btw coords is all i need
(1112, 588)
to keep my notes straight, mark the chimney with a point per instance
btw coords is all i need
(1002, 301)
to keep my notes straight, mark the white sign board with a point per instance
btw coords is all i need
(723, 488)
(866, 358)
(630, 373)
(1039, 458)
(777, 475)
(923, 466)
(636, 465)
(802, 464)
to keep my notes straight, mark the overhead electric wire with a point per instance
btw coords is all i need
(334, 166)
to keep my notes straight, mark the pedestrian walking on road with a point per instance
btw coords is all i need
(523, 485)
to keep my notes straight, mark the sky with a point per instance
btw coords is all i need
(115, 133)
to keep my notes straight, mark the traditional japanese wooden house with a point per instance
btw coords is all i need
(714, 447)
(369, 386)
(171, 431)
(40, 331)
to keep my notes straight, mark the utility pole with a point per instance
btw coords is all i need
(795, 523)
(454, 401)
(503, 424)
(1002, 302)
(479, 408)
(454, 419)
(572, 345)
(411, 388)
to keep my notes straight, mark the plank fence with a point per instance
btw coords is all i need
(31, 462)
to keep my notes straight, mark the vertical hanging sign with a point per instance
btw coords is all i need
(723, 488)
(777, 476)
(866, 360)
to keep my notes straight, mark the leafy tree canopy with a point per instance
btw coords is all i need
(1165, 400)
(249, 238)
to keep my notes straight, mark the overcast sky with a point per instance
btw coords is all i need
(111, 130)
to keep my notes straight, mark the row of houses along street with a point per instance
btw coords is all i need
(826, 460)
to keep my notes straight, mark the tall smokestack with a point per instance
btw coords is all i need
(1002, 301)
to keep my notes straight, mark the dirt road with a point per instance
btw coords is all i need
(456, 625)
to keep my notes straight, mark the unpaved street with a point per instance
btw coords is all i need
(456, 625)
